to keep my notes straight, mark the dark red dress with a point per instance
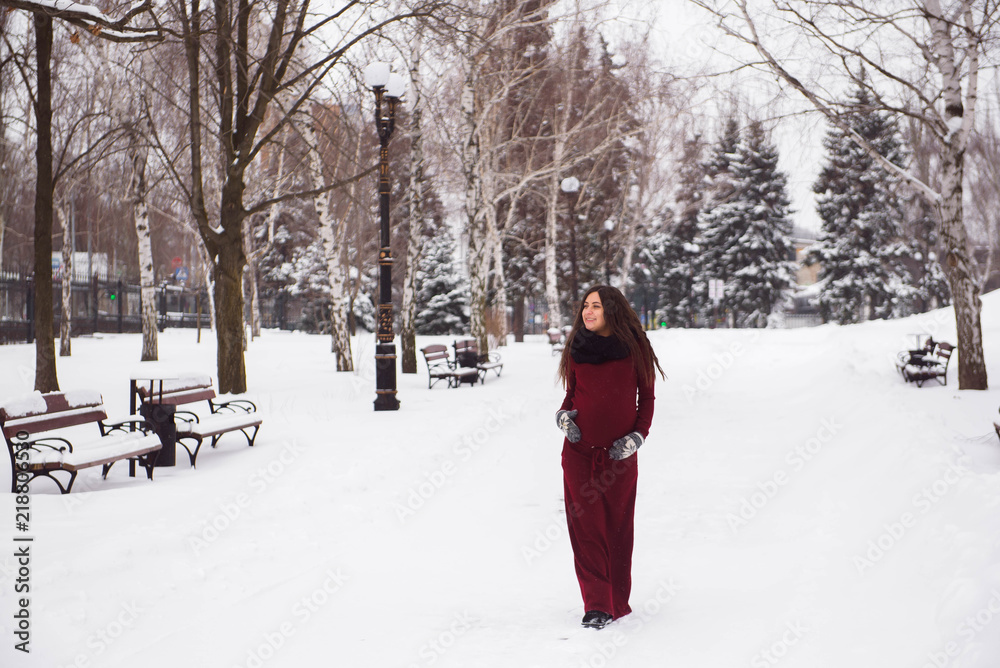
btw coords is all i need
(599, 491)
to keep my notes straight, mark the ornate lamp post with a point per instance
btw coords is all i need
(388, 88)
(571, 186)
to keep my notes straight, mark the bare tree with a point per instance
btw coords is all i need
(941, 94)
(98, 24)
(247, 70)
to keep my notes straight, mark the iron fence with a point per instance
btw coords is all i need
(100, 304)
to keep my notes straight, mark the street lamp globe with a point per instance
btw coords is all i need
(376, 75)
(609, 225)
(570, 184)
(396, 85)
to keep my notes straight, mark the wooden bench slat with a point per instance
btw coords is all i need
(218, 423)
(37, 424)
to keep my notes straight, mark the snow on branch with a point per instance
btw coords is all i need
(93, 20)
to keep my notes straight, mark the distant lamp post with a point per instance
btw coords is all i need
(388, 88)
(571, 186)
(609, 225)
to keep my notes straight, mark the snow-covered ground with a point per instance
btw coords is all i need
(799, 505)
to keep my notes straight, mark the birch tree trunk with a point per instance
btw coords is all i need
(3, 228)
(958, 265)
(206, 264)
(408, 309)
(499, 282)
(251, 280)
(479, 254)
(138, 156)
(551, 237)
(332, 232)
(66, 319)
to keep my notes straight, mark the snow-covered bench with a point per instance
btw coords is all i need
(927, 363)
(441, 367)
(224, 416)
(555, 339)
(46, 433)
(467, 355)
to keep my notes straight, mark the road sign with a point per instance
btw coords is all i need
(177, 262)
(181, 274)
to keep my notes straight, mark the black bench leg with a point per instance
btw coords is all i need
(192, 454)
(62, 490)
(147, 462)
(251, 438)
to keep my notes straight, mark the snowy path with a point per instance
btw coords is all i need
(798, 506)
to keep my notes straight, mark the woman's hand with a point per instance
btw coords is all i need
(564, 419)
(625, 446)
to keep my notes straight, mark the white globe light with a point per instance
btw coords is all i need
(570, 184)
(395, 86)
(377, 75)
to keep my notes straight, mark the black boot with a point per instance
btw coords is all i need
(596, 619)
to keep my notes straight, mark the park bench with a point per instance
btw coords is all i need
(556, 339)
(46, 433)
(440, 367)
(467, 355)
(930, 362)
(224, 416)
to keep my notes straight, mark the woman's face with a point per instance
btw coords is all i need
(593, 315)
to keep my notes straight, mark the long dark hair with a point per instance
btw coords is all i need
(625, 325)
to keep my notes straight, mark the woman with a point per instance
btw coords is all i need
(608, 369)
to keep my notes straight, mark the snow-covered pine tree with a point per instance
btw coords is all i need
(662, 268)
(930, 285)
(689, 295)
(718, 189)
(860, 247)
(745, 232)
(442, 292)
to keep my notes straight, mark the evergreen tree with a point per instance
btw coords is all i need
(663, 267)
(860, 247)
(689, 296)
(930, 284)
(442, 292)
(745, 231)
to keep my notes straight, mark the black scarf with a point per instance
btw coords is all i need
(590, 348)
